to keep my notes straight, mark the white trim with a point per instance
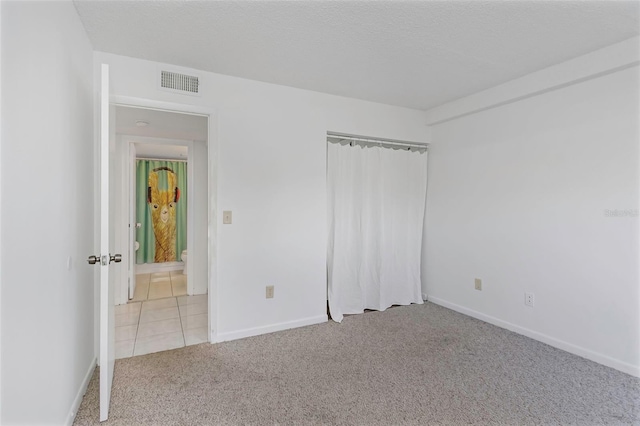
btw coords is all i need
(148, 268)
(191, 233)
(0, 228)
(212, 218)
(131, 228)
(256, 331)
(212, 153)
(604, 61)
(83, 389)
(551, 341)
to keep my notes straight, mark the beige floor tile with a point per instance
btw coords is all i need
(124, 349)
(129, 308)
(198, 308)
(159, 314)
(195, 336)
(153, 328)
(160, 275)
(127, 319)
(159, 342)
(160, 280)
(178, 279)
(141, 292)
(192, 300)
(150, 305)
(126, 332)
(140, 278)
(160, 290)
(179, 289)
(177, 273)
(194, 321)
(162, 283)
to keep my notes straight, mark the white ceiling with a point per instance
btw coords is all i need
(162, 124)
(417, 54)
(161, 152)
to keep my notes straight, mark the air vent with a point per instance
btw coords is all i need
(187, 84)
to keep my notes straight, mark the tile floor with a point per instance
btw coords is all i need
(159, 285)
(159, 324)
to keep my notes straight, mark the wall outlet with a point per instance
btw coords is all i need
(529, 299)
(269, 292)
(478, 283)
(226, 217)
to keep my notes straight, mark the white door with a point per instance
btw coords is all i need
(107, 317)
(133, 226)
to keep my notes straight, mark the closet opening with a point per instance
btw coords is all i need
(376, 202)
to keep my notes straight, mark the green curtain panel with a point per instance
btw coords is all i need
(145, 234)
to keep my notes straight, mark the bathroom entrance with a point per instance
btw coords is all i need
(159, 212)
(161, 302)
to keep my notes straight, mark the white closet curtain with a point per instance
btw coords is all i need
(376, 202)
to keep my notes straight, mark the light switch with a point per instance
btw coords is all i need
(226, 217)
(478, 283)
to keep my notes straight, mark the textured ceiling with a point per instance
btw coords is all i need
(416, 54)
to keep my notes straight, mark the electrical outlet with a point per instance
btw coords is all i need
(478, 283)
(269, 292)
(529, 299)
(226, 217)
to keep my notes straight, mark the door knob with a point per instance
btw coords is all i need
(115, 258)
(93, 260)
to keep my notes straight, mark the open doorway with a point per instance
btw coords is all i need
(159, 205)
(162, 195)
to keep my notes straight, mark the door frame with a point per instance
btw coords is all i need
(126, 233)
(212, 204)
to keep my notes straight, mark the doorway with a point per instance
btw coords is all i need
(161, 166)
(160, 200)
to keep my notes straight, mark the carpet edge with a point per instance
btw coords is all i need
(256, 331)
(75, 406)
(541, 337)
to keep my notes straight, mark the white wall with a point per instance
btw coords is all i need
(47, 209)
(272, 175)
(517, 197)
(200, 222)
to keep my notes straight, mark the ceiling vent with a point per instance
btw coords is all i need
(179, 83)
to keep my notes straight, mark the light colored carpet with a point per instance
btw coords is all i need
(419, 364)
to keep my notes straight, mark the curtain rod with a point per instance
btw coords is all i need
(161, 159)
(378, 141)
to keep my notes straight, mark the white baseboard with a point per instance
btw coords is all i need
(83, 389)
(551, 341)
(148, 268)
(256, 331)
